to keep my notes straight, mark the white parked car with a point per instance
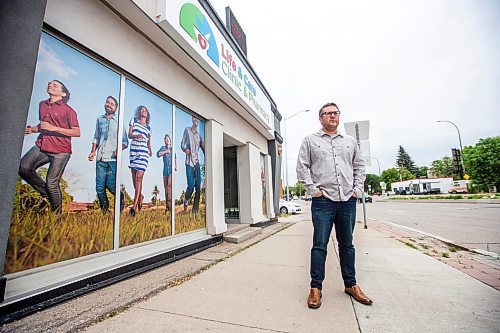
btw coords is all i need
(287, 207)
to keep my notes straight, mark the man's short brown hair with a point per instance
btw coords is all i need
(327, 105)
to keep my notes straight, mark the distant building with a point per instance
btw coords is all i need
(80, 206)
(423, 186)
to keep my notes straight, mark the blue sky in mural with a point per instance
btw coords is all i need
(89, 84)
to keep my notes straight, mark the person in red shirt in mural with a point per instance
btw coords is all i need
(58, 124)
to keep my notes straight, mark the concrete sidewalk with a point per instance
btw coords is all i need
(265, 288)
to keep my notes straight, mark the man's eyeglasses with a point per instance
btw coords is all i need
(332, 113)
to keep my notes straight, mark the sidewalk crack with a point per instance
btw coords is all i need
(213, 320)
(207, 260)
(352, 302)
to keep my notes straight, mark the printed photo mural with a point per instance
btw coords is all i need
(263, 183)
(64, 200)
(64, 205)
(148, 165)
(189, 181)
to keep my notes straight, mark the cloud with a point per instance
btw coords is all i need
(49, 61)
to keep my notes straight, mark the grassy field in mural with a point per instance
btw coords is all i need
(188, 221)
(148, 224)
(39, 239)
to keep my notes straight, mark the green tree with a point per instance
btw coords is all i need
(443, 167)
(374, 182)
(128, 199)
(392, 175)
(299, 189)
(180, 201)
(406, 174)
(27, 198)
(403, 160)
(482, 162)
(422, 172)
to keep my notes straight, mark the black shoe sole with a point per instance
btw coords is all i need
(313, 306)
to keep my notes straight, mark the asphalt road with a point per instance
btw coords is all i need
(472, 225)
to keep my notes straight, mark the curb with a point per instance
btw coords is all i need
(441, 239)
(466, 201)
(476, 263)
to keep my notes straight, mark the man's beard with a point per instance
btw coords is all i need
(331, 127)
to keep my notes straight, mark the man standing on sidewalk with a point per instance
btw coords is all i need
(332, 170)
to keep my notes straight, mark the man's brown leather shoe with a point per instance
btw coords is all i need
(356, 292)
(314, 300)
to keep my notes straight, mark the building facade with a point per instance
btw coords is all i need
(140, 131)
(423, 186)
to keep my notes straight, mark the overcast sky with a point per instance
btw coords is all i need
(402, 65)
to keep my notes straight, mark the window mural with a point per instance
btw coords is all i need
(147, 167)
(64, 198)
(263, 184)
(189, 181)
(69, 174)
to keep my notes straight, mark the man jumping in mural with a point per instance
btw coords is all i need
(58, 124)
(190, 145)
(104, 145)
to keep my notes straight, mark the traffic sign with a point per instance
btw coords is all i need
(360, 130)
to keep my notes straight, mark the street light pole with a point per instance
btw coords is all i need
(378, 163)
(286, 150)
(459, 141)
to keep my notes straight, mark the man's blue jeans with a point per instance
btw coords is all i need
(325, 214)
(193, 177)
(105, 178)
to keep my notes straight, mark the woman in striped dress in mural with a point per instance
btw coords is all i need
(140, 151)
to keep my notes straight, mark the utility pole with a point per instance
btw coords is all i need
(286, 150)
(459, 141)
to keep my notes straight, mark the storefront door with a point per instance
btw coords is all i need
(231, 205)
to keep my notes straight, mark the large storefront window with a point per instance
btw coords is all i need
(64, 199)
(64, 205)
(147, 167)
(189, 180)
